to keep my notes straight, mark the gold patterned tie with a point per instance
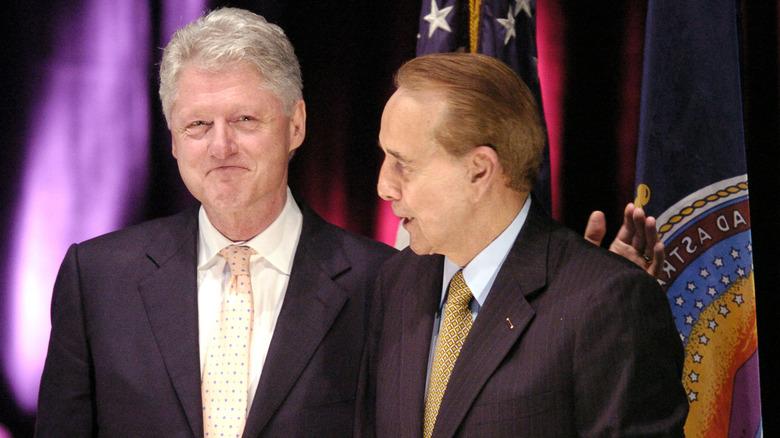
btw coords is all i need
(226, 369)
(454, 327)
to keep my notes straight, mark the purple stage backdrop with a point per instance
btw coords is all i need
(87, 159)
(85, 149)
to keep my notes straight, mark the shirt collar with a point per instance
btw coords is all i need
(482, 270)
(274, 243)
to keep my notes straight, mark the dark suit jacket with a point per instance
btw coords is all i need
(123, 357)
(571, 341)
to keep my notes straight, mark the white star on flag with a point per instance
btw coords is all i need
(509, 25)
(437, 18)
(523, 5)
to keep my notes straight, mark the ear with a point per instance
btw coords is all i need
(484, 170)
(297, 125)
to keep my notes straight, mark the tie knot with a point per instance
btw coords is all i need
(237, 258)
(459, 294)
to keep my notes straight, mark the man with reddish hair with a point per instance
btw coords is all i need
(497, 321)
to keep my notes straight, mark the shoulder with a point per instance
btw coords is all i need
(406, 262)
(326, 240)
(573, 270)
(408, 273)
(567, 250)
(598, 285)
(167, 232)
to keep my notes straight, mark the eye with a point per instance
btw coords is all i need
(402, 168)
(245, 122)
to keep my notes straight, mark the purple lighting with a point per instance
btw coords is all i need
(86, 162)
(177, 13)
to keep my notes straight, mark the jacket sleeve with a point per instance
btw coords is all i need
(66, 402)
(628, 362)
(365, 411)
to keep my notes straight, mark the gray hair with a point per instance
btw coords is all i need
(224, 38)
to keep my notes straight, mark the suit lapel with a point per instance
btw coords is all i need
(422, 297)
(311, 304)
(500, 323)
(169, 295)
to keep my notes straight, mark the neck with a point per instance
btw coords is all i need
(243, 225)
(498, 212)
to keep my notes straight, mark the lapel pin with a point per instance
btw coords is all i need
(509, 323)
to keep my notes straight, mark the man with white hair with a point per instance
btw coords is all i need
(145, 325)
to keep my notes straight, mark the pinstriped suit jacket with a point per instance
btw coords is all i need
(571, 341)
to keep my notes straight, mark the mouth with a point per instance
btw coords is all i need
(226, 169)
(405, 220)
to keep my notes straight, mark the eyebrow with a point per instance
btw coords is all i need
(395, 154)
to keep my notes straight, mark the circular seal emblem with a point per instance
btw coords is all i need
(708, 278)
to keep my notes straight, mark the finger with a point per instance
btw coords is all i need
(651, 232)
(659, 255)
(627, 229)
(596, 228)
(639, 241)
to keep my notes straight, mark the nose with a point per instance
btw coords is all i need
(222, 140)
(387, 184)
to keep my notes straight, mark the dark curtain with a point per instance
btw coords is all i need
(348, 52)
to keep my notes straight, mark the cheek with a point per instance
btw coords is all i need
(441, 205)
(190, 159)
(184, 149)
(425, 201)
(271, 160)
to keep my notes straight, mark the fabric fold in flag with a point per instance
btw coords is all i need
(692, 175)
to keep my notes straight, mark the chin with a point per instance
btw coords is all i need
(420, 248)
(227, 206)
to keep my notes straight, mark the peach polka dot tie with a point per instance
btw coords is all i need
(455, 326)
(226, 368)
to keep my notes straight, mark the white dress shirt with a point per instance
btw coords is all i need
(270, 270)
